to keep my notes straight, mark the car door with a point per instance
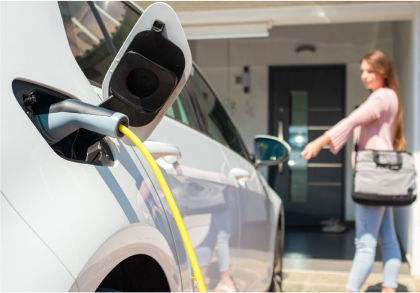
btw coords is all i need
(198, 175)
(254, 257)
(71, 201)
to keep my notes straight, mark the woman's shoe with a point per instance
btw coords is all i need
(336, 227)
(223, 288)
(328, 222)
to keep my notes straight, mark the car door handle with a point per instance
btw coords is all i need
(170, 153)
(241, 175)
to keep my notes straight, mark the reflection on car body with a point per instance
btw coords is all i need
(87, 227)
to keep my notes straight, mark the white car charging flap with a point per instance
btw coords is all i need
(149, 71)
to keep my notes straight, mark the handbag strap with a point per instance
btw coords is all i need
(396, 166)
(356, 143)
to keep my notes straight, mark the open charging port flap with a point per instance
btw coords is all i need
(145, 76)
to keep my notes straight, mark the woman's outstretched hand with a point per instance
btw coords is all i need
(313, 148)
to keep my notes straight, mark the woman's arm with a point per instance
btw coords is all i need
(314, 147)
(338, 135)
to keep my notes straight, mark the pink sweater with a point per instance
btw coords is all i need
(372, 122)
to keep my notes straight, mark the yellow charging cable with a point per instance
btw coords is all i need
(198, 278)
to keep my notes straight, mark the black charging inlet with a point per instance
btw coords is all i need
(139, 88)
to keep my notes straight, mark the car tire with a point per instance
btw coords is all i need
(277, 277)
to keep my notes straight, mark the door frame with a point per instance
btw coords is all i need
(271, 103)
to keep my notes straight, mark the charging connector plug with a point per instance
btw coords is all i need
(70, 115)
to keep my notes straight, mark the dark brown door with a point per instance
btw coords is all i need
(305, 101)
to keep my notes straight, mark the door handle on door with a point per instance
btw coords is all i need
(170, 153)
(241, 175)
(280, 136)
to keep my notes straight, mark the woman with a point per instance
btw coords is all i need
(377, 125)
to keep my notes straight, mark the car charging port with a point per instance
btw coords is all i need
(145, 76)
(82, 146)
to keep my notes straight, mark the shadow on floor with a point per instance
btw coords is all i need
(321, 281)
(378, 288)
(312, 243)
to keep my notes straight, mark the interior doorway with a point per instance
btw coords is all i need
(305, 101)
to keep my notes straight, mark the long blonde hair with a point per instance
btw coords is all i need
(383, 65)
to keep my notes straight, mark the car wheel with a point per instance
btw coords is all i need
(277, 276)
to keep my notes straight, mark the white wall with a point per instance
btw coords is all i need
(414, 242)
(403, 57)
(222, 60)
(406, 55)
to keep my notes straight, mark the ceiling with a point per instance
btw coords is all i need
(184, 6)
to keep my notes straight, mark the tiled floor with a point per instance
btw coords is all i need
(308, 246)
(319, 262)
(310, 242)
(318, 281)
(342, 266)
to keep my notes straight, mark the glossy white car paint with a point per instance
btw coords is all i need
(23, 246)
(257, 221)
(73, 208)
(66, 225)
(254, 226)
(130, 240)
(195, 177)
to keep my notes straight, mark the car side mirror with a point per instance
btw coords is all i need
(270, 151)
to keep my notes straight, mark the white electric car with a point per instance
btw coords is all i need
(86, 213)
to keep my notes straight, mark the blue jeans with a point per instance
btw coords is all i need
(375, 224)
(219, 233)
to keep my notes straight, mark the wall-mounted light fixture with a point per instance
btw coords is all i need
(226, 31)
(306, 48)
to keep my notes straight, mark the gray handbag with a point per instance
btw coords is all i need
(384, 178)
